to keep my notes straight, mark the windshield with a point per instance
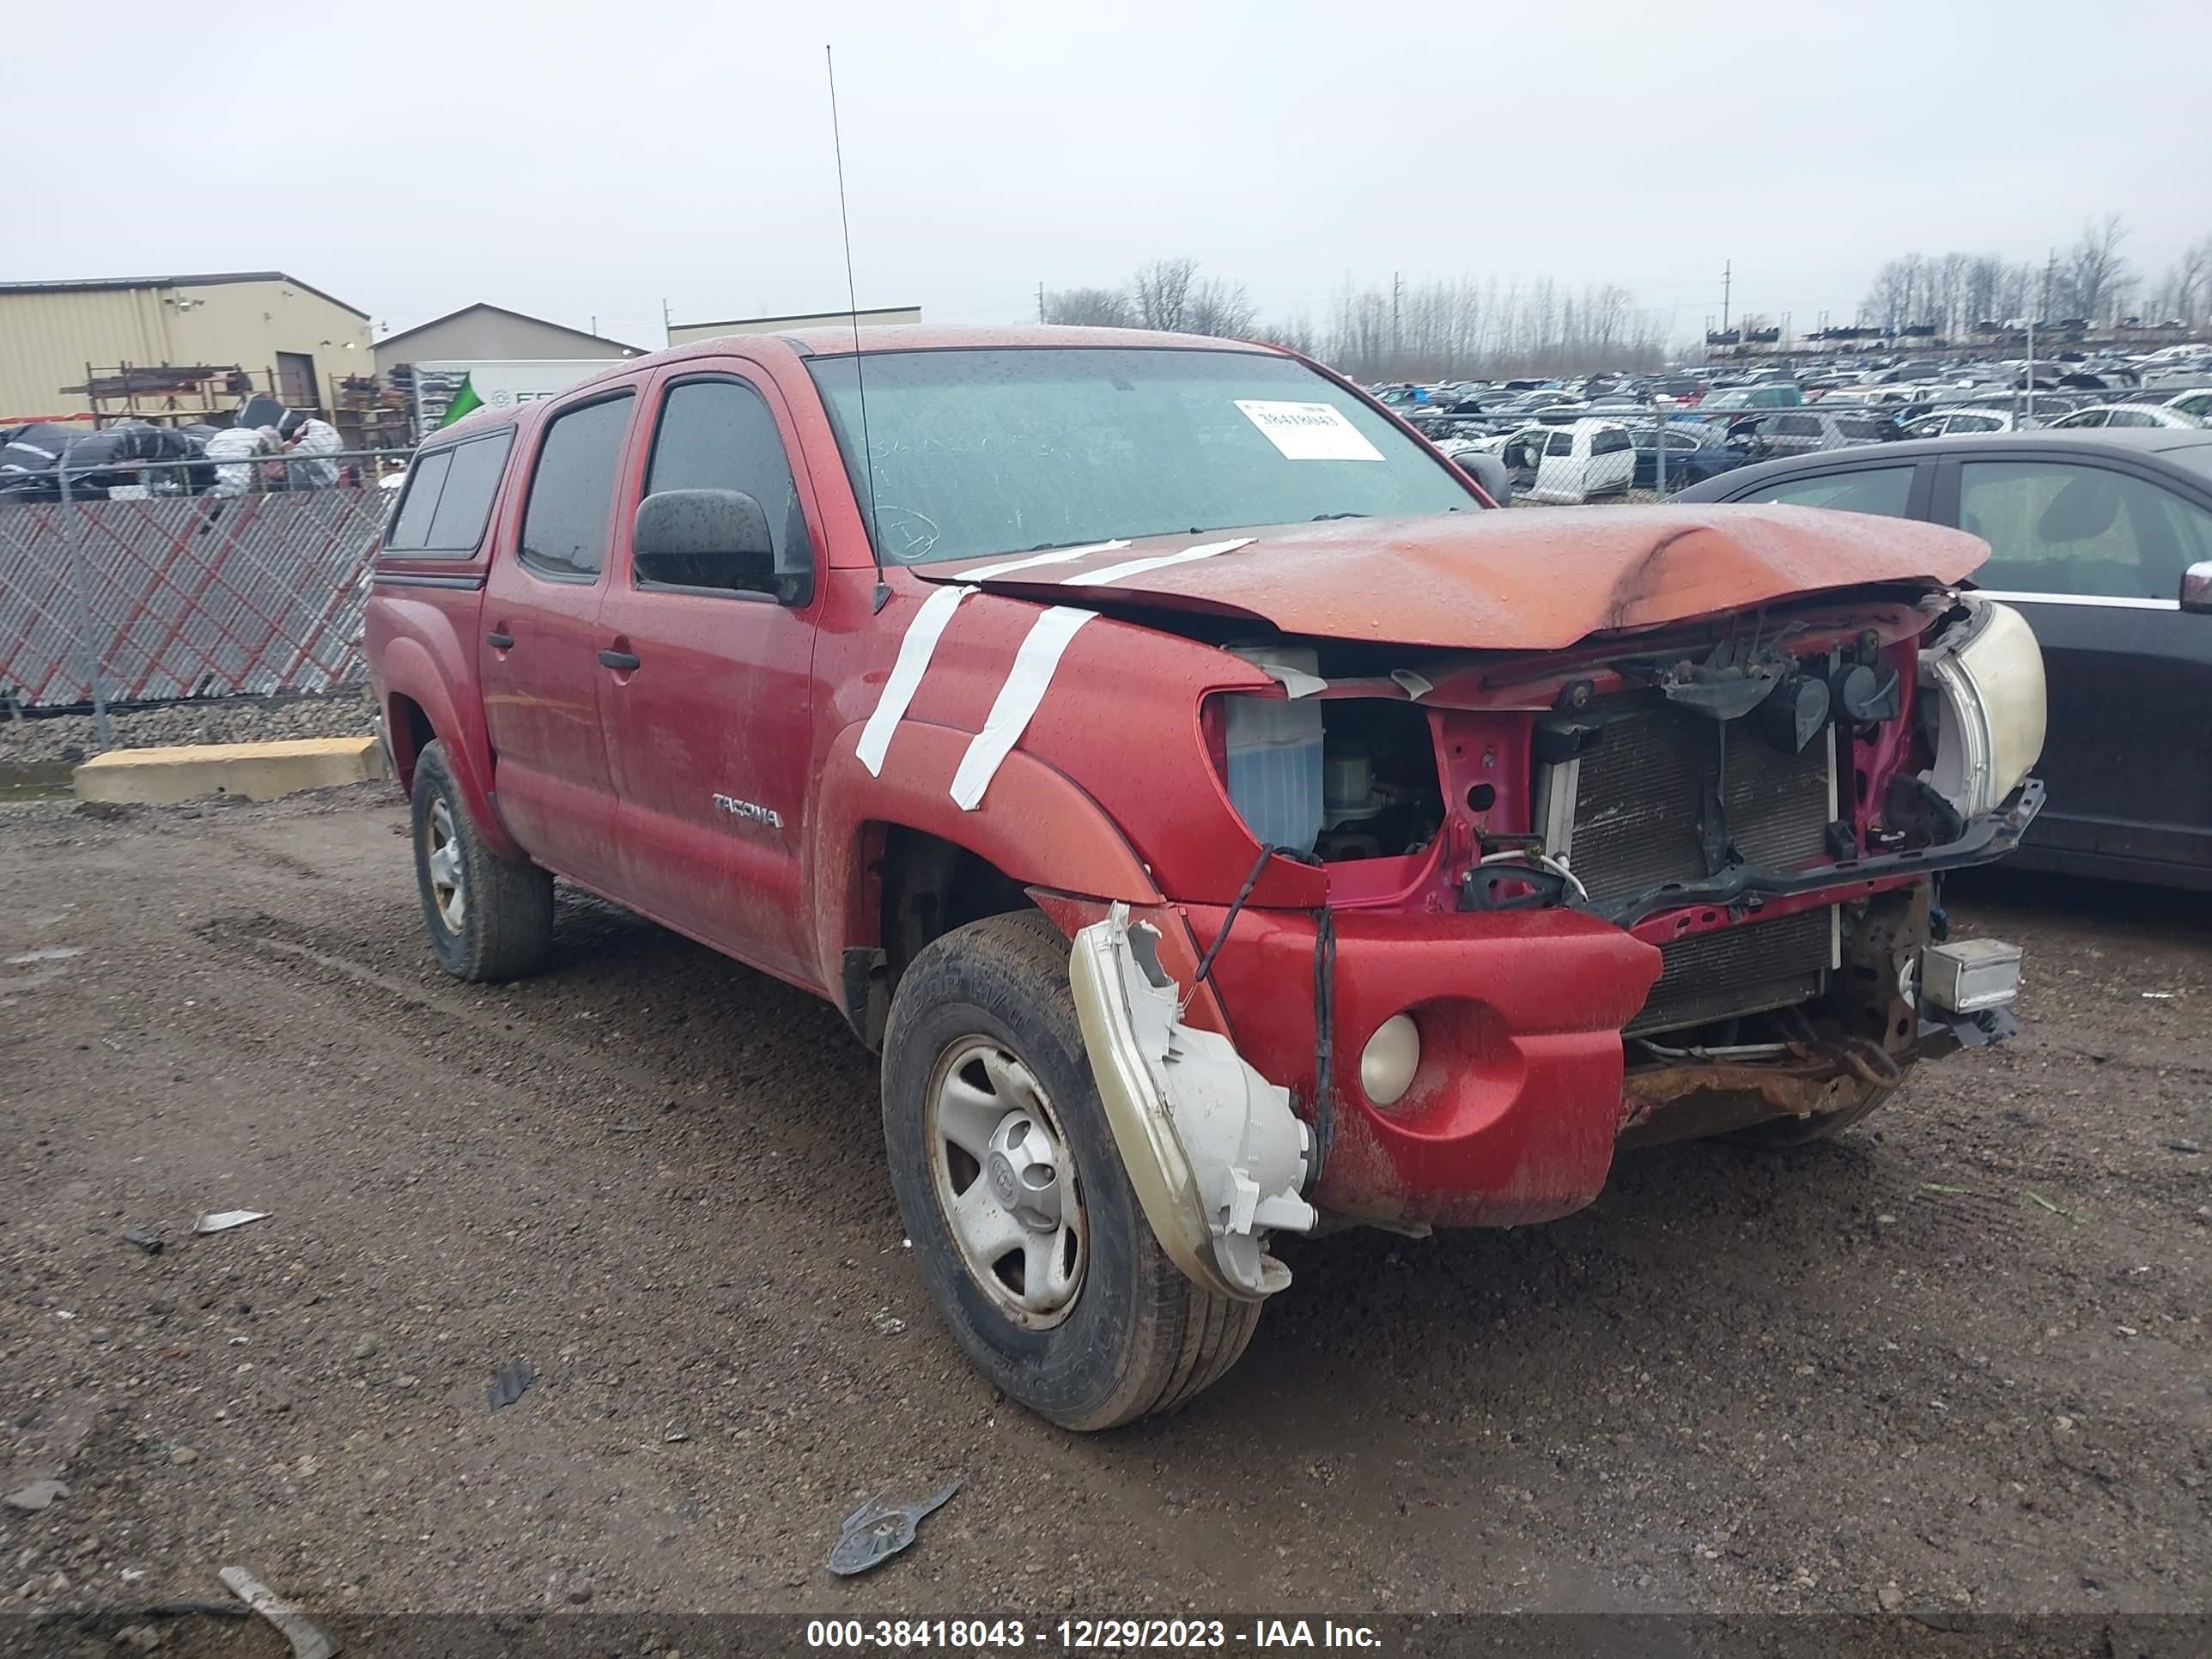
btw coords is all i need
(1015, 449)
(1735, 399)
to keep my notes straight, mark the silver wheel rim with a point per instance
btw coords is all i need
(1006, 1182)
(441, 849)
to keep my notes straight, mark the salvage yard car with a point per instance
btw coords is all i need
(1223, 824)
(2102, 539)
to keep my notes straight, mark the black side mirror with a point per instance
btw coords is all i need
(714, 538)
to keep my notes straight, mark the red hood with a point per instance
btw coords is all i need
(1527, 578)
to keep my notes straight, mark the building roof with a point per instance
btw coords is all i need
(204, 279)
(519, 316)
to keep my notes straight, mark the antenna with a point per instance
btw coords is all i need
(853, 300)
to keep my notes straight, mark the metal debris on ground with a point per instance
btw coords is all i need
(876, 1531)
(39, 1495)
(308, 1642)
(509, 1385)
(222, 1221)
(144, 1240)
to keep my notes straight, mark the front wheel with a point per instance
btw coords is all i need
(1023, 1222)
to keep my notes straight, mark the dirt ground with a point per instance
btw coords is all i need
(1957, 1361)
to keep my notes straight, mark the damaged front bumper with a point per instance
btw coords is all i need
(1215, 1154)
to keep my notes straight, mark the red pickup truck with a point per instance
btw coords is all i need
(1222, 820)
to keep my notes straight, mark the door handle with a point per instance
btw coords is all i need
(621, 659)
(500, 641)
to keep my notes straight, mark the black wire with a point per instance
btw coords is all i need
(1324, 995)
(1206, 962)
(1324, 1037)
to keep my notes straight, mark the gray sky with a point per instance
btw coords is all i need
(576, 161)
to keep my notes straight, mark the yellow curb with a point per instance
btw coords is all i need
(258, 771)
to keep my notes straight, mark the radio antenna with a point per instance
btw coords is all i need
(853, 300)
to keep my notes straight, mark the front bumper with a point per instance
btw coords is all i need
(1521, 1090)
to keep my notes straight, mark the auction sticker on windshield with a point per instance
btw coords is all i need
(1309, 432)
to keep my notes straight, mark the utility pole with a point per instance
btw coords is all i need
(1727, 272)
(666, 322)
(1397, 338)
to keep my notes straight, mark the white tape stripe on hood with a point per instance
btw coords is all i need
(1137, 567)
(1018, 699)
(914, 651)
(1057, 556)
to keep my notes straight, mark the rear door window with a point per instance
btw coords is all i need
(1560, 443)
(419, 505)
(1608, 443)
(464, 504)
(1881, 490)
(567, 520)
(2070, 528)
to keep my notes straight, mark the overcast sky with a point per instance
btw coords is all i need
(582, 162)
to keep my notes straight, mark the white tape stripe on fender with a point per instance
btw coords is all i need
(1016, 701)
(1137, 567)
(914, 651)
(1057, 556)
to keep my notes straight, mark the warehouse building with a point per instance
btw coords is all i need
(684, 333)
(483, 332)
(174, 348)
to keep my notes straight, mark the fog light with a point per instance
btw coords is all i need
(1387, 1064)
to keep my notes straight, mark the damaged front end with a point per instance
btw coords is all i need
(1216, 1156)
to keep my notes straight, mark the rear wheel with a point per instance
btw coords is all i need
(1024, 1223)
(487, 919)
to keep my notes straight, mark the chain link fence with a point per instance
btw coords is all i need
(121, 592)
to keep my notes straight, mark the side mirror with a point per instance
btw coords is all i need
(2196, 587)
(714, 538)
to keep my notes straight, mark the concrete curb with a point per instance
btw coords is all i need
(258, 771)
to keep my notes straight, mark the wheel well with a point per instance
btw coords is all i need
(929, 886)
(409, 731)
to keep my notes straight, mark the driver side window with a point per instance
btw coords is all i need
(719, 434)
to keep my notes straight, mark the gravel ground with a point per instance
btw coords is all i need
(52, 737)
(1956, 1362)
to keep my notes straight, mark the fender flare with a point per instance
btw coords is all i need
(1035, 824)
(410, 671)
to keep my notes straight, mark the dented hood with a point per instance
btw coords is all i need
(1531, 578)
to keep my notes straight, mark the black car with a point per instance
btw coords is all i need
(2103, 541)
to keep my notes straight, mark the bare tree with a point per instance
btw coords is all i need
(1161, 291)
(1091, 307)
(1219, 307)
(1293, 334)
(2185, 295)
(2093, 278)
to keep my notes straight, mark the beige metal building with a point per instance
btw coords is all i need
(261, 323)
(684, 333)
(483, 332)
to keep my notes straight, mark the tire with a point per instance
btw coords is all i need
(492, 919)
(1120, 1333)
(1780, 1134)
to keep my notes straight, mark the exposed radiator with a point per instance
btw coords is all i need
(1641, 789)
(1744, 969)
(1636, 808)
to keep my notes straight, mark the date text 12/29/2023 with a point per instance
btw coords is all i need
(1084, 1635)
